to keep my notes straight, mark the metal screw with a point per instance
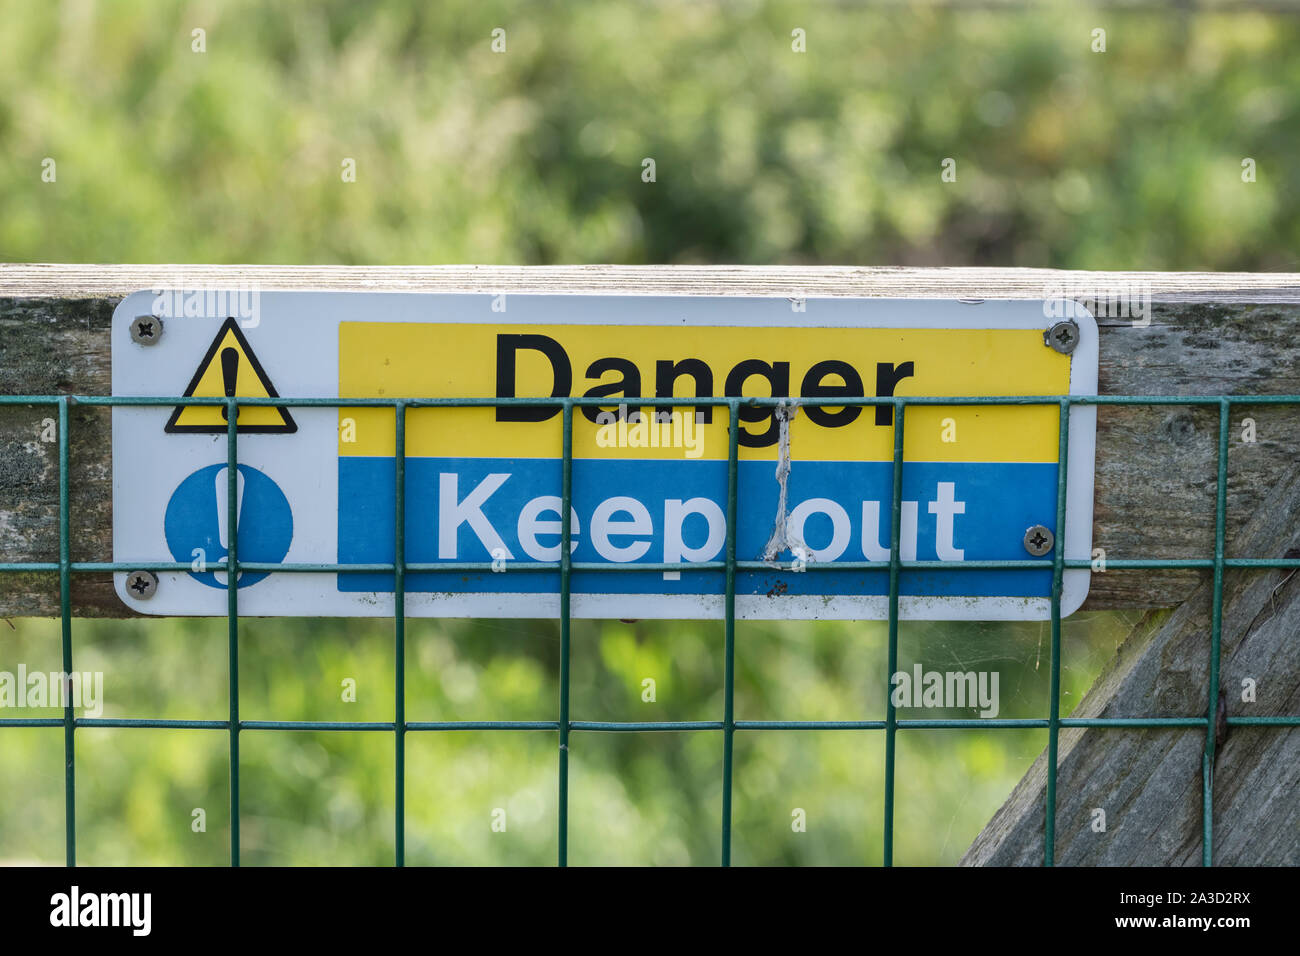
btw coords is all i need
(142, 584)
(1039, 540)
(146, 329)
(1062, 336)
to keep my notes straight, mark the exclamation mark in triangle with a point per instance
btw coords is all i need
(229, 377)
(230, 369)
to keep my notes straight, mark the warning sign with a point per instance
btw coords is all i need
(230, 369)
(483, 485)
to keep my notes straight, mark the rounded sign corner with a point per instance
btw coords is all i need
(1074, 590)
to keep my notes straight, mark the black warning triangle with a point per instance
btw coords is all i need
(230, 368)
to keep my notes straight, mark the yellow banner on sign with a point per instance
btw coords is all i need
(812, 364)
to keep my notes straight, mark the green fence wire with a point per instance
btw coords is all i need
(564, 726)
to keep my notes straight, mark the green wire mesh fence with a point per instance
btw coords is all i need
(399, 726)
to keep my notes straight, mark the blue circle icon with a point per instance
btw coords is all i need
(196, 523)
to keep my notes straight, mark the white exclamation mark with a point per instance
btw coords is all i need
(223, 516)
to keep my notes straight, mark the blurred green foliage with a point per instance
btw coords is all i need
(1127, 159)
(327, 797)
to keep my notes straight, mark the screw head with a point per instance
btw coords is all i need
(1063, 336)
(141, 584)
(1039, 540)
(146, 329)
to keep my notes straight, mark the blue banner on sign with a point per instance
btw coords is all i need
(197, 515)
(663, 511)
